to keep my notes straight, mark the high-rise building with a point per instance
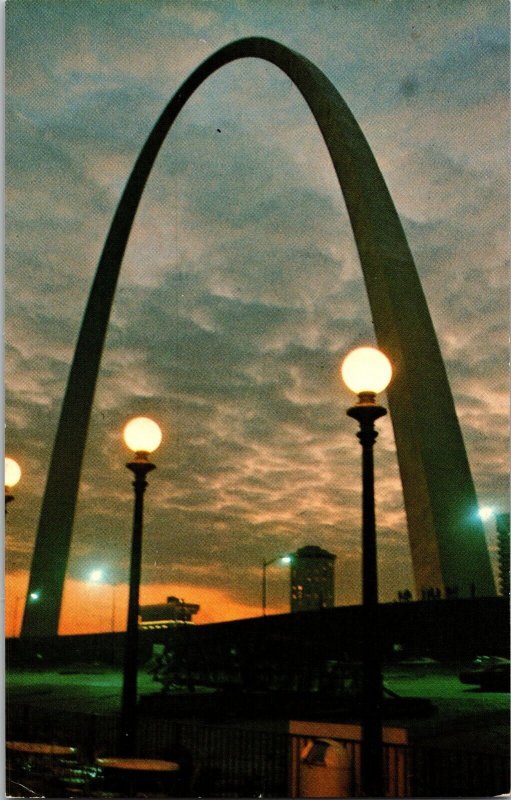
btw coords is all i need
(312, 579)
(502, 521)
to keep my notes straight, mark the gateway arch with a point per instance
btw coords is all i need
(447, 540)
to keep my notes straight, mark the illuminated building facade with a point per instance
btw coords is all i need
(502, 521)
(312, 579)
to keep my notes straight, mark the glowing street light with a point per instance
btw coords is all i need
(367, 371)
(285, 559)
(12, 474)
(98, 576)
(486, 513)
(143, 436)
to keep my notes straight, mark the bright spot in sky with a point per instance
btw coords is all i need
(485, 512)
(96, 575)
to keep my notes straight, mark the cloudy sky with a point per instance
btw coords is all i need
(241, 288)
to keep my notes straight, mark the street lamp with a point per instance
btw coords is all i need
(143, 436)
(12, 474)
(486, 513)
(286, 559)
(367, 371)
(96, 576)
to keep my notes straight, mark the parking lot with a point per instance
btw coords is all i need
(466, 716)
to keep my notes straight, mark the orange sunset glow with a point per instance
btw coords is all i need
(87, 608)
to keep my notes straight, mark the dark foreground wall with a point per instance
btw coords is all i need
(49, 652)
(448, 630)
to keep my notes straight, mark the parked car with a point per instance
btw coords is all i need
(488, 672)
(495, 678)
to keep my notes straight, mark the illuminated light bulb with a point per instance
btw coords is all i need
(486, 513)
(142, 435)
(12, 473)
(366, 370)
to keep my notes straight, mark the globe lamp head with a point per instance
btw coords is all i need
(366, 371)
(12, 473)
(142, 435)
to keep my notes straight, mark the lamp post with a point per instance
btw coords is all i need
(283, 560)
(96, 576)
(143, 436)
(12, 474)
(367, 371)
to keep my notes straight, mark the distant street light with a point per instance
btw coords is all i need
(286, 559)
(486, 513)
(367, 371)
(98, 576)
(143, 436)
(12, 474)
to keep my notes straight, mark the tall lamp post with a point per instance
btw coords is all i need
(12, 474)
(283, 560)
(96, 576)
(143, 436)
(367, 371)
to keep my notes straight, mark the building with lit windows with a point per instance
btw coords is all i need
(502, 521)
(312, 579)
